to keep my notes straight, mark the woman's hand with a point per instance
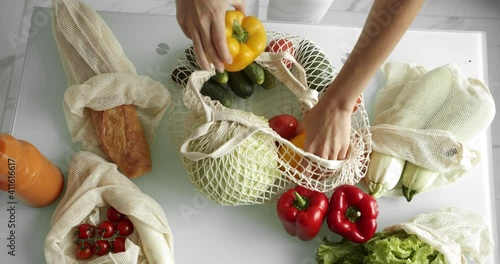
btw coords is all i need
(328, 130)
(203, 21)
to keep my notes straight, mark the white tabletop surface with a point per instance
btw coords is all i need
(202, 230)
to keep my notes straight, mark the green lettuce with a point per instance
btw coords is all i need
(384, 248)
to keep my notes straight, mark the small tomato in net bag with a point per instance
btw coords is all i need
(285, 125)
(281, 45)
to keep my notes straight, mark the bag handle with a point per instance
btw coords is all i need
(274, 63)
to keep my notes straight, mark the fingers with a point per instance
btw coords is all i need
(238, 5)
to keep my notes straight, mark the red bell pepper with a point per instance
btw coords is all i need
(353, 214)
(302, 212)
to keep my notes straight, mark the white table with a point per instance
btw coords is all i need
(202, 230)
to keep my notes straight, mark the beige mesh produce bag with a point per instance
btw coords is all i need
(99, 74)
(458, 233)
(232, 156)
(93, 186)
(431, 118)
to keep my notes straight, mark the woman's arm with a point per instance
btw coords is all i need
(328, 124)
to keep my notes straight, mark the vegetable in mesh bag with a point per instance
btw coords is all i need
(93, 184)
(449, 236)
(245, 174)
(424, 120)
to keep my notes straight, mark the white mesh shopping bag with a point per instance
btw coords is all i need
(93, 185)
(231, 154)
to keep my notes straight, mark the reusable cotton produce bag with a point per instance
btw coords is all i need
(99, 74)
(94, 185)
(431, 118)
(233, 157)
(456, 232)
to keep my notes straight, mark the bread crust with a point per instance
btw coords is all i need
(122, 139)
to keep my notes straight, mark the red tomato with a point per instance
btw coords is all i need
(281, 45)
(106, 229)
(85, 231)
(118, 245)
(357, 103)
(285, 125)
(125, 227)
(84, 250)
(101, 247)
(113, 214)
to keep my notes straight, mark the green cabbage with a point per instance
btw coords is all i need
(384, 248)
(244, 175)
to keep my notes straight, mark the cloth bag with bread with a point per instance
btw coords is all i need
(110, 109)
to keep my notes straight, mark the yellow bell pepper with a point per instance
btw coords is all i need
(246, 39)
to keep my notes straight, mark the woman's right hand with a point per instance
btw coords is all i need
(203, 21)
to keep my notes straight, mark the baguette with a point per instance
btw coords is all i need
(122, 139)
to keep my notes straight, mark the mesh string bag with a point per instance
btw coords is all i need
(93, 185)
(458, 233)
(99, 74)
(431, 117)
(232, 156)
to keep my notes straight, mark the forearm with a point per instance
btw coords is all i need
(387, 22)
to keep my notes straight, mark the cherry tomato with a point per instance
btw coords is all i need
(85, 231)
(125, 227)
(281, 45)
(113, 214)
(285, 125)
(101, 247)
(357, 103)
(106, 229)
(84, 250)
(118, 245)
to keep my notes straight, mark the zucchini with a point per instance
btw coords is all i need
(180, 75)
(255, 72)
(240, 84)
(217, 92)
(317, 66)
(269, 80)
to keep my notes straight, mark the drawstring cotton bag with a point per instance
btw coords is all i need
(458, 233)
(99, 74)
(232, 156)
(431, 118)
(93, 186)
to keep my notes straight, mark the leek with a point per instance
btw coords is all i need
(383, 174)
(416, 179)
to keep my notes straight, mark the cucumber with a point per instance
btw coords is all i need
(255, 72)
(220, 77)
(217, 92)
(269, 80)
(240, 84)
(317, 66)
(180, 75)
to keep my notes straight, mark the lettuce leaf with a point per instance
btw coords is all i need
(385, 247)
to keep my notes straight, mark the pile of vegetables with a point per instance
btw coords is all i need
(350, 212)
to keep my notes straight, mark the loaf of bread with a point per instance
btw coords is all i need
(122, 139)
